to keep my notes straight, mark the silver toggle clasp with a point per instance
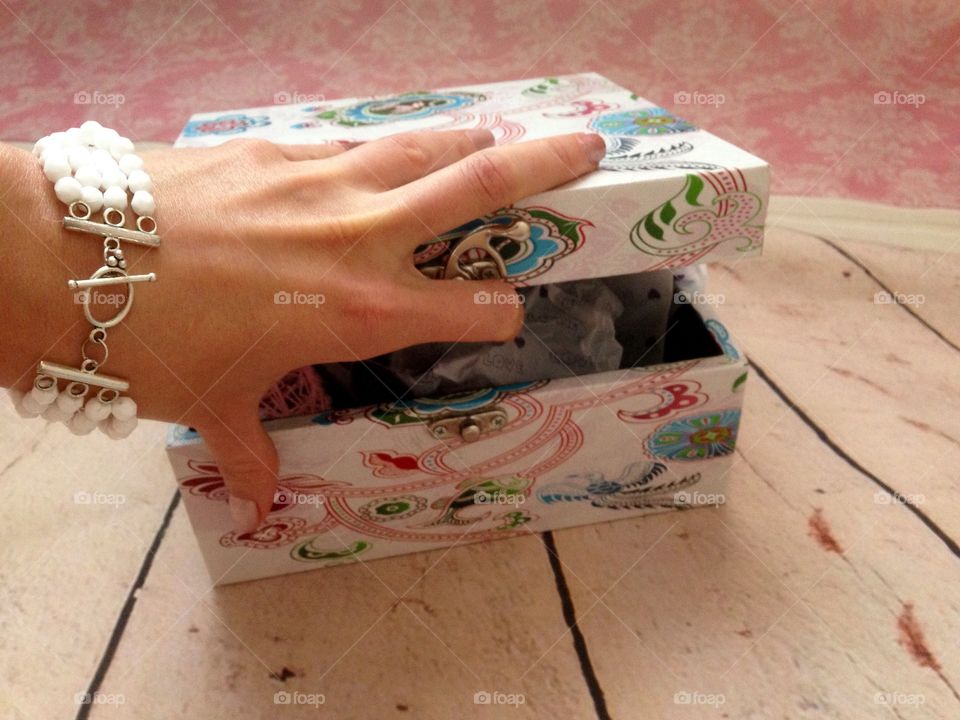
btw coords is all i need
(108, 276)
(476, 256)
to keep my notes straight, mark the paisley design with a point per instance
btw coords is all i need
(652, 121)
(307, 551)
(515, 519)
(483, 492)
(210, 484)
(627, 153)
(393, 508)
(640, 485)
(275, 532)
(581, 108)
(722, 336)
(408, 106)
(738, 383)
(699, 437)
(549, 86)
(388, 464)
(225, 125)
(709, 209)
(424, 409)
(673, 398)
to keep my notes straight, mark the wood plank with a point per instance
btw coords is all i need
(879, 381)
(752, 603)
(66, 564)
(930, 278)
(412, 636)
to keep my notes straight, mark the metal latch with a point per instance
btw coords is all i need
(470, 427)
(476, 256)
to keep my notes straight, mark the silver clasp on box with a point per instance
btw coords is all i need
(469, 427)
(476, 255)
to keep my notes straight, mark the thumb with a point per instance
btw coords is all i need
(247, 459)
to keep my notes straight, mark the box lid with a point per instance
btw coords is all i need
(667, 195)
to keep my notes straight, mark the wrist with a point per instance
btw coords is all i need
(36, 260)
(90, 191)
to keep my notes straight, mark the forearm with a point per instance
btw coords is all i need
(36, 260)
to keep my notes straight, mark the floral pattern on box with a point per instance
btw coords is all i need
(652, 121)
(406, 491)
(408, 106)
(665, 187)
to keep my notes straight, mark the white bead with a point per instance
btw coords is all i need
(28, 407)
(68, 189)
(131, 162)
(143, 203)
(124, 408)
(120, 147)
(72, 137)
(89, 130)
(102, 158)
(88, 175)
(41, 145)
(68, 403)
(139, 180)
(29, 403)
(80, 424)
(44, 396)
(104, 137)
(96, 410)
(56, 166)
(58, 138)
(92, 198)
(54, 414)
(118, 429)
(114, 197)
(113, 177)
(78, 157)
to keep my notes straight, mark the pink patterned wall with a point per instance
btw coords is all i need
(792, 80)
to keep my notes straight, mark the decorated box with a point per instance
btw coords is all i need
(537, 454)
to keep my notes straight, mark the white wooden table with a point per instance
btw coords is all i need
(813, 593)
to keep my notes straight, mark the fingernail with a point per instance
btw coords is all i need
(246, 517)
(480, 138)
(593, 145)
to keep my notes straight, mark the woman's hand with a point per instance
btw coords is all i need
(248, 224)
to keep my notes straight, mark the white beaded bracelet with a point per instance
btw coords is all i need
(94, 169)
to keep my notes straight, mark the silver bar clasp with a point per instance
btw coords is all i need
(65, 372)
(112, 280)
(105, 230)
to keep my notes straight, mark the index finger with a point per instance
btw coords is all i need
(490, 179)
